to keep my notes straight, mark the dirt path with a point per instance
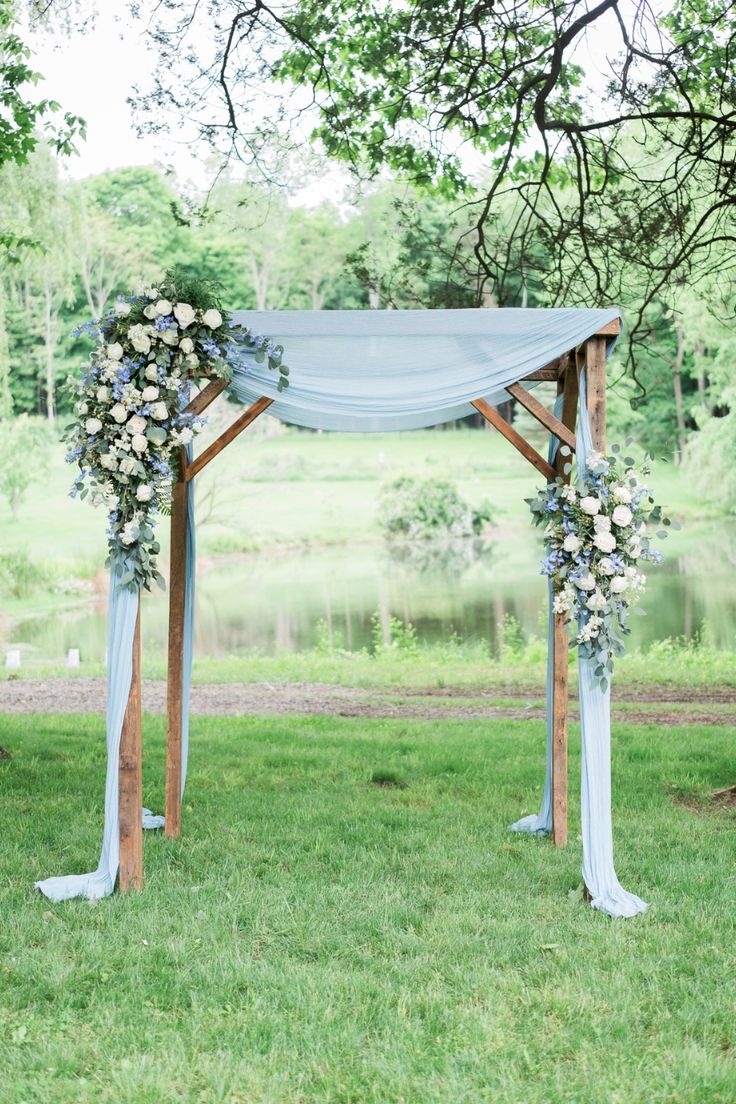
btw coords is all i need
(83, 695)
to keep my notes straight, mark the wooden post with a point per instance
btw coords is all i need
(130, 782)
(177, 594)
(595, 389)
(561, 647)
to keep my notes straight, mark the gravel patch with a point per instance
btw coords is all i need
(87, 695)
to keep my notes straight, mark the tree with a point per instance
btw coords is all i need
(25, 122)
(606, 175)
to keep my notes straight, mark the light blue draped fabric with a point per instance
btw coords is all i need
(540, 824)
(122, 611)
(599, 875)
(376, 371)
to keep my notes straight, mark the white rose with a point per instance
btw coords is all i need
(571, 543)
(634, 547)
(149, 394)
(137, 424)
(83, 408)
(103, 394)
(159, 411)
(151, 293)
(601, 523)
(606, 567)
(183, 436)
(144, 493)
(139, 443)
(122, 308)
(619, 584)
(151, 372)
(109, 462)
(192, 361)
(586, 582)
(212, 318)
(605, 541)
(590, 505)
(163, 307)
(115, 351)
(150, 311)
(569, 494)
(642, 529)
(129, 533)
(139, 339)
(170, 337)
(186, 345)
(622, 515)
(93, 425)
(621, 494)
(184, 314)
(597, 601)
(127, 466)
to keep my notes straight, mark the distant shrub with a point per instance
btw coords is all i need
(24, 448)
(423, 509)
(20, 575)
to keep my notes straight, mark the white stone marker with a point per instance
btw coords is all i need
(72, 657)
(12, 659)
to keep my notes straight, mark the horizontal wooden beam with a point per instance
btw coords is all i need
(551, 375)
(527, 451)
(544, 416)
(225, 438)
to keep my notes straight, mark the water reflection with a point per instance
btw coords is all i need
(290, 601)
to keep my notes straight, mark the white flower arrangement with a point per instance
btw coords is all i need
(595, 539)
(130, 405)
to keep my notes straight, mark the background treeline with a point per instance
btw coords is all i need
(92, 239)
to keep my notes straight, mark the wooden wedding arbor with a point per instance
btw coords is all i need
(565, 371)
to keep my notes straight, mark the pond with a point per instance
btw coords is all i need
(344, 594)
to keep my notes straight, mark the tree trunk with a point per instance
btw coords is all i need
(677, 384)
(49, 342)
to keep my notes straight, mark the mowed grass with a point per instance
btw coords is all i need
(347, 920)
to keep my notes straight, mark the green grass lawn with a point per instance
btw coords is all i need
(316, 937)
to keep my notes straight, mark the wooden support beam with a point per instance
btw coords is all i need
(611, 329)
(568, 385)
(560, 647)
(130, 779)
(551, 375)
(527, 451)
(595, 380)
(544, 416)
(225, 438)
(206, 396)
(177, 596)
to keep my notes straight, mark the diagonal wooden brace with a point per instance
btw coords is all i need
(520, 444)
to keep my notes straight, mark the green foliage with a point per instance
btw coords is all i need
(21, 576)
(418, 509)
(24, 445)
(391, 635)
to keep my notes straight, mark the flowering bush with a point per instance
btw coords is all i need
(130, 406)
(596, 538)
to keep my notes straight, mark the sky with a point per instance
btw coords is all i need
(92, 74)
